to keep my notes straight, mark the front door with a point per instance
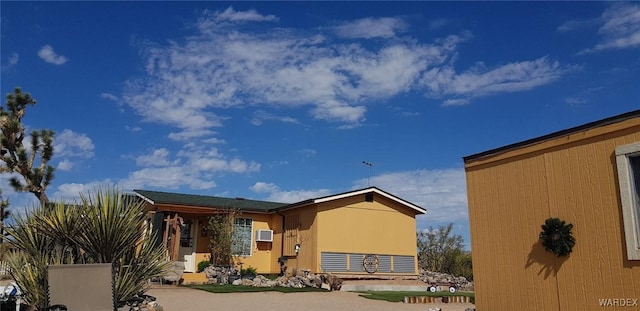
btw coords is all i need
(187, 246)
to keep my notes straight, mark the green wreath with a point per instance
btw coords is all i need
(556, 237)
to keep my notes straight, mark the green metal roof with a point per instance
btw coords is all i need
(241, 204)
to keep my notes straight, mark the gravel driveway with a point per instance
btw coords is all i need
(181, 298)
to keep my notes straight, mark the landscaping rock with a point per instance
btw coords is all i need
(174, 272)
(431, 277)
(261, 281)
(221, 275)
(226, 275)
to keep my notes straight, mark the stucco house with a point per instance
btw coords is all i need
(588, 176)
(362, 232)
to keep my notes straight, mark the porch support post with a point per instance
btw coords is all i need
(175, 241)
(165, 238)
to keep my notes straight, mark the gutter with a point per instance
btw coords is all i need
(281, 258)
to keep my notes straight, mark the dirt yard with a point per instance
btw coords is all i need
(180, 298)
(173, 298)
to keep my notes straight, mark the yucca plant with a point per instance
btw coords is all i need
(28, 266)
(114, 232)
(137, 267)
(104, 227)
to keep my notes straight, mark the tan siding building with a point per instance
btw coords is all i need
(572, 175)
(332, 234)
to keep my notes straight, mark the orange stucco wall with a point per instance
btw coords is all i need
(510, 195)
(352, 225)
(264, 255)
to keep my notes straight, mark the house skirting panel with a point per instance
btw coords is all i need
(338, 262)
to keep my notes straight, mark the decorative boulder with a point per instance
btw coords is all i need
(174, 272)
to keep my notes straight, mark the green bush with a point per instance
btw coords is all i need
(441, 250)
(249, 272)
(203, 265)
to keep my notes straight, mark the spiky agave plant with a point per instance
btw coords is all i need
(104, 227)
(29, 264)
(114, 231)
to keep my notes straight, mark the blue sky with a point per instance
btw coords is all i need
(283, 101)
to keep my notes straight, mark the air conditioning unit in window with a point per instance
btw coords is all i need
(263, 235)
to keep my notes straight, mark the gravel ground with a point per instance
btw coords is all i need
(173, 298)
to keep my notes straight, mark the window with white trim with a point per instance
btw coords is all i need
(628, 162)
(242, 228)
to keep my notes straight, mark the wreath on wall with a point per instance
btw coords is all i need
(556, 237)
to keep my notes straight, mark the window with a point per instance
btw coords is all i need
(242, 228)
(628, 162)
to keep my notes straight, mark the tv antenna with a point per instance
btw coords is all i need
(369, 165)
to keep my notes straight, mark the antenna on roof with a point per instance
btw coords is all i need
(368, 164)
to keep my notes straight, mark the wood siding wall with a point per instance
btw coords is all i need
(291, 238)
(510, 195)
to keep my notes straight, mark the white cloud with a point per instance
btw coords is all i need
(239, 166)
(50, 56)
(13, 59)
(195, 166)
(133, 128)
(213, 162)
(166, 177)
(575, 101)
(214, 141)
(189, 134)
(385, 27)
(65, 165)
(72, 144)
(574, 25)
(158, 157)
(232, 16)
(263, 187)
(70, 192)
(189, 83)
(456, 102)
(109, 96)
(293, 196)
(479, 81)
(620, 28)
(260, 116)
(21, 201)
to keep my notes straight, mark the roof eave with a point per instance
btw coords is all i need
(540, 139)
(412, 206)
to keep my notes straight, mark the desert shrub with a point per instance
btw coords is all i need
(203, 265)
(249, 272)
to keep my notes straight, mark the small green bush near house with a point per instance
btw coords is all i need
(249, 272)
(203, 265)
